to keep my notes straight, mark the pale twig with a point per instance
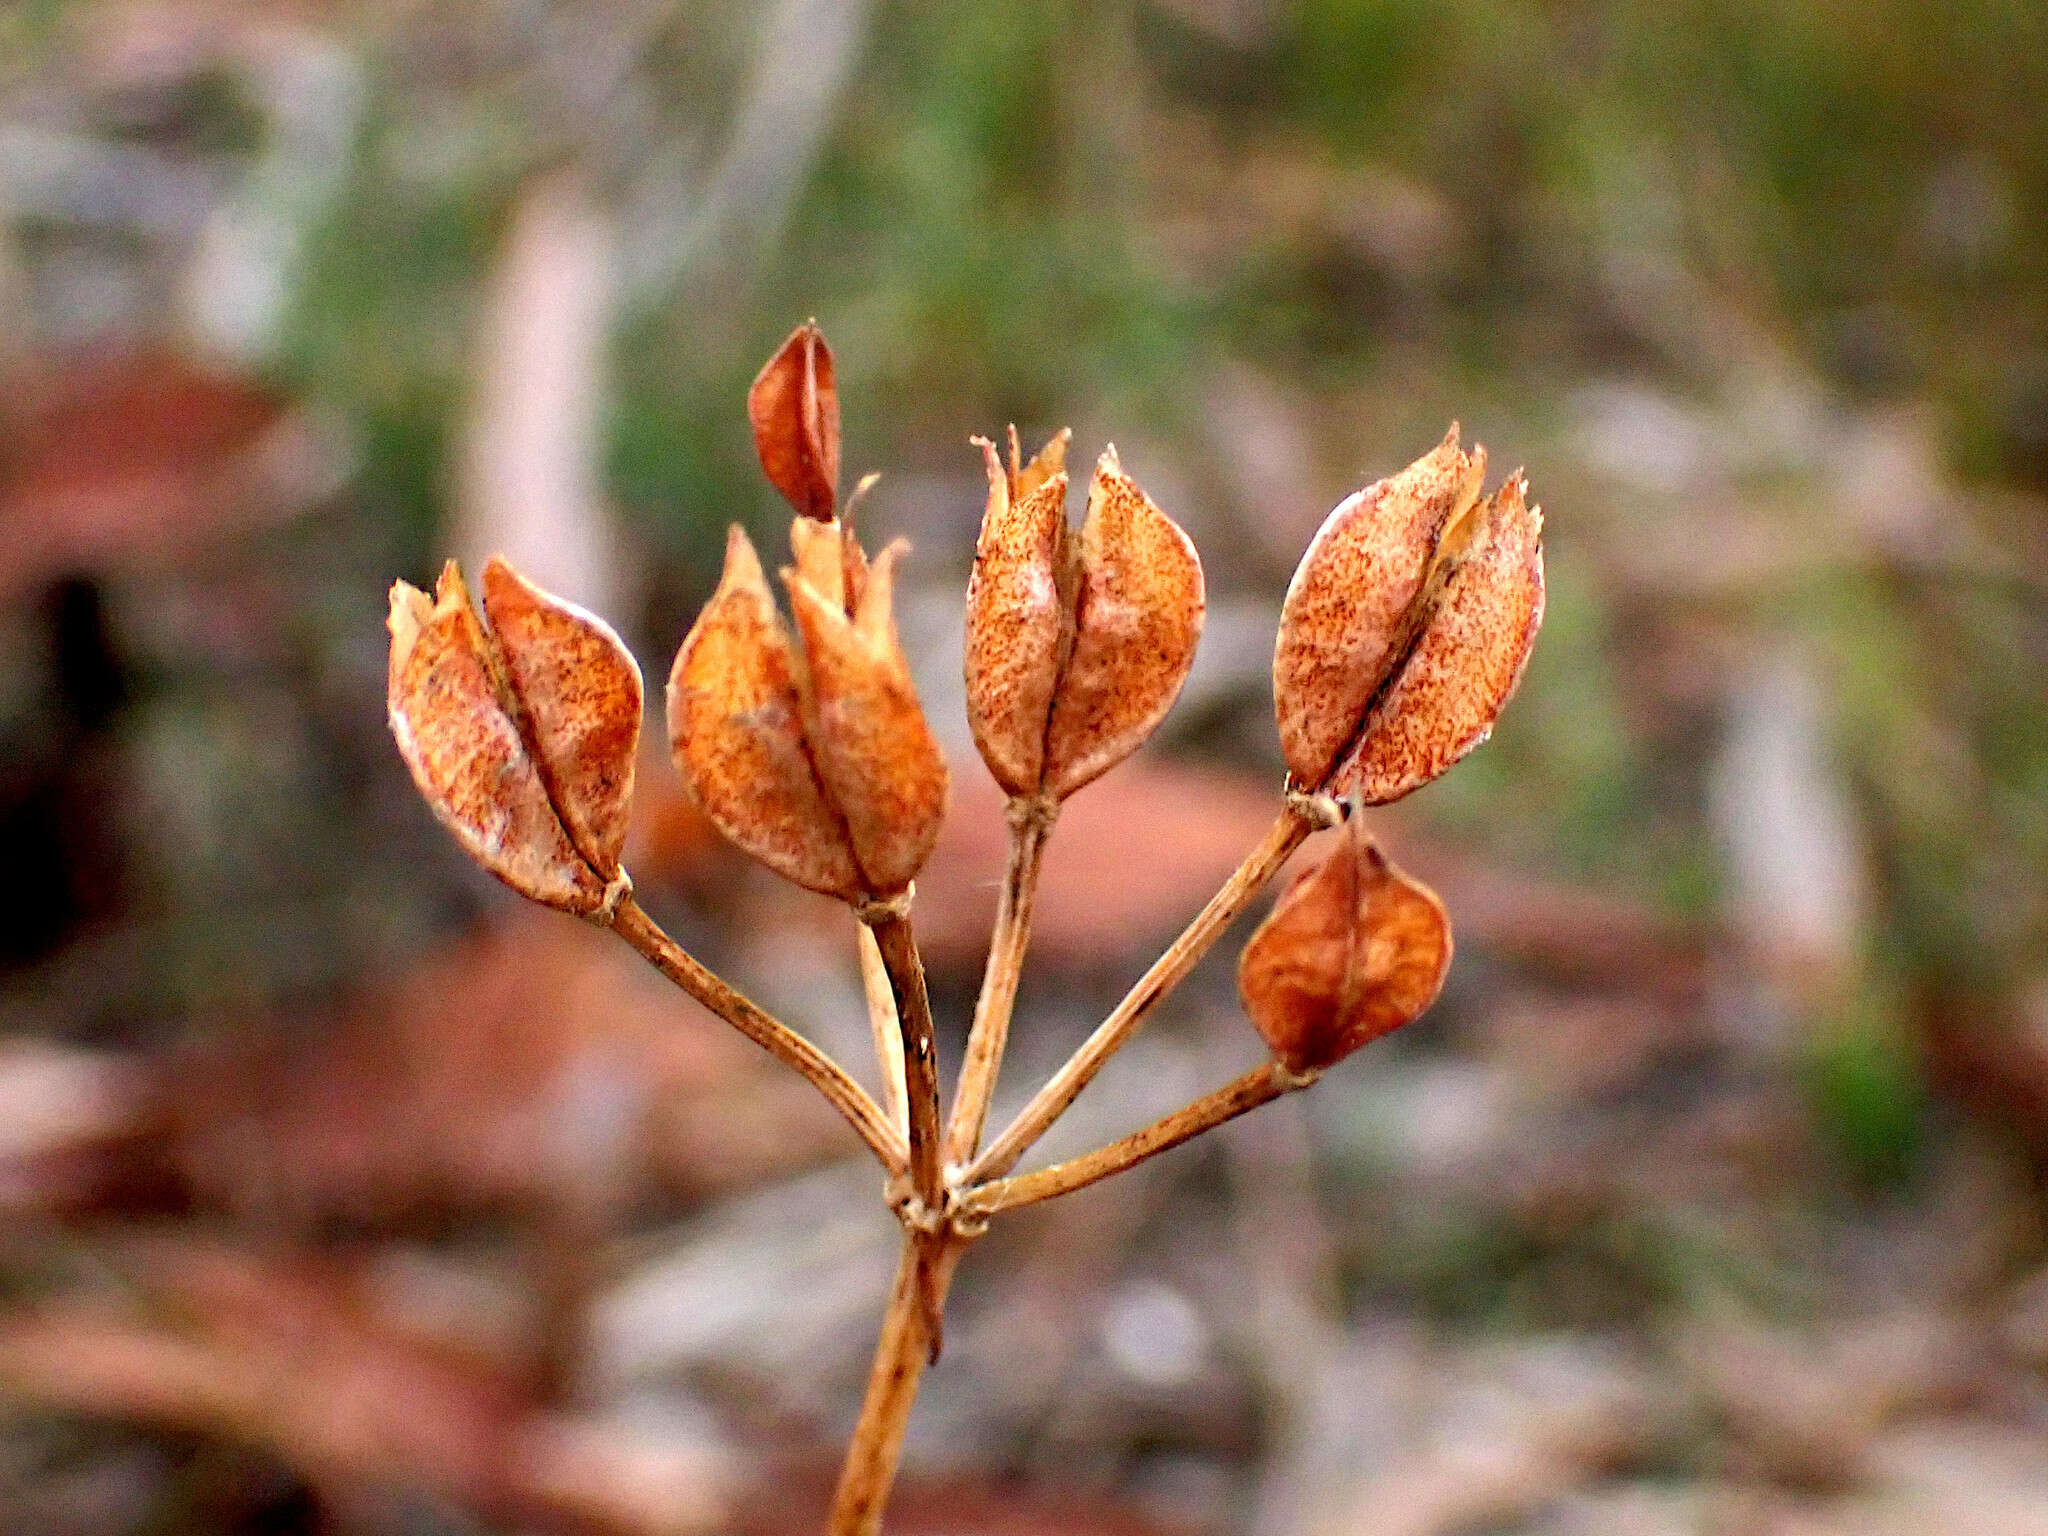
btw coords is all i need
(1030, 826)
(889, 922)
(874, 980)
(923, 1276)
(1294, 824)
(1259, 1086)
(633, 925)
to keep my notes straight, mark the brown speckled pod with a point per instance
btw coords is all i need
(1019, 612)
(875, 753)
(1354, 950)
(1447, 694)
(794, 408)
(1358, 599)
(1138, 612)
(580, 690)
(520, 737)
(735, 723)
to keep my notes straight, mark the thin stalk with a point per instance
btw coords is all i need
(1259, 1086)
(898, 947)
(887, 1032)
(1029, 830)
(1050, 1102)
(923, 1275)
(633, 925)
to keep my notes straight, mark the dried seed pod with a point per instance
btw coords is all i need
(1359, 597)
(1019, 613)
(1138, 609)
(1462, 671)
(1048, 461)
(580, 690)
(521, 738)
(875, 753)
(794, 408)
(735, 722)
(1353, 950)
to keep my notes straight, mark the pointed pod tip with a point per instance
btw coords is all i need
(742, 571)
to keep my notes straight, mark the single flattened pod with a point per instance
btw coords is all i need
(1354, 950)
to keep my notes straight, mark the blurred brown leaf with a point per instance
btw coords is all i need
(126, 459)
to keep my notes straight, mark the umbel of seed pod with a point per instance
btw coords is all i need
(521, 736)
(1353, 950)
(1076, 648)
(1407, 626)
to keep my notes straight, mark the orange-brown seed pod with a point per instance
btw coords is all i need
(1353, 950)
(875, 754)
(735, 723)
(794, 408)
(521, 738)
(1019, 615)
(1358, 599)
(1138, 609)
(1462, 671)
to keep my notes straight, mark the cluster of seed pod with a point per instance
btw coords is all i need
(1404, 631)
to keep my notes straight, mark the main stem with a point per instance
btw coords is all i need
(633, 925)
(1050, 1102)
(920, 1051)
(1030, 827)
(924, 1274)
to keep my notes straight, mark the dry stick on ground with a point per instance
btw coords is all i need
(1261, 1085)
(633, 925)
(1030, 826)
(1300, 817)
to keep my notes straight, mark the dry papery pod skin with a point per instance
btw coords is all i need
(521, 737)
(874, 750)
(1353, 950)
(1407, 626)
(793, 406)
(1076, 648)
(817, 762)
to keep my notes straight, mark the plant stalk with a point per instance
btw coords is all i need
(923, 1275)
(633, 925)
(1259, 1086)
(887, 1031)
(898, 947)
(1287, 833)
(1030, 827)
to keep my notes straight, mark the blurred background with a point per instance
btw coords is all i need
(341, 1192)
